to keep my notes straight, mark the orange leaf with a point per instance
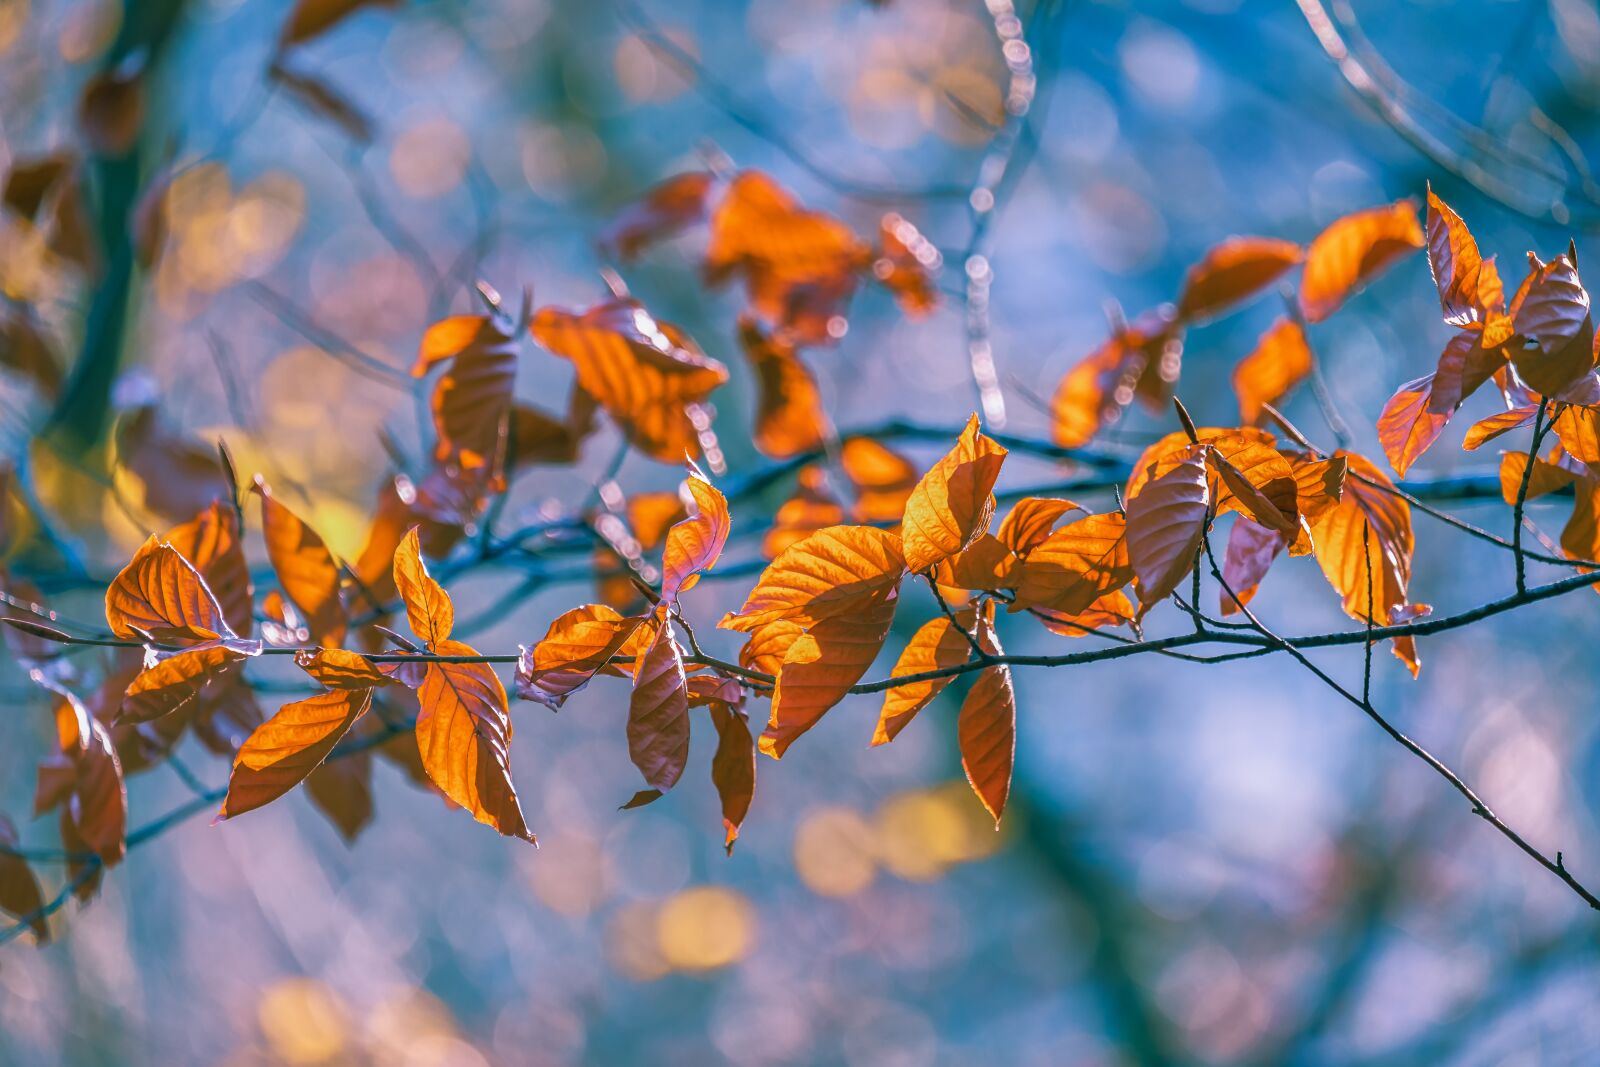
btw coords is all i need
(985, 564)
(646, 374)
(305, 567)
(1580, 539)
(1031, 520)
(667, 208)
(1579, 431)
(1354, 250)
(733, 768)
(938, 644)
(174, 681)
(464, 734)
(1546, 478)
(285, 749)
(810, 509)
(578, 644)
(907, 266)
(883, 479)
(1258, 480)
(1554, 315)
(768, 644)
(161, 594)
(789, 416)
(1281, 360)
(1075, 566)
(954, 502)
(472, 403)
(1165, 524)
(1367, 513)
(1409, 425)
(694, 544)
(20, 895)
(428, 606)
(339, 669)
(342, 790)
(1234, 271)
(210, 541)
(658, 712)
(831, 573)
(1485, 430)
(312, 18)
(822, 664)
(1455, 262)
(987, 731)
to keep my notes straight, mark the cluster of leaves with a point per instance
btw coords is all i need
(185, 620)
(1143, 357)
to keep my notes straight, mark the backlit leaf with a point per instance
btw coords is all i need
(1165, 524)
(161, 594)
(1408, 425)
(1251, 550)
(577, 645)
(1075, 566)
(337, 668)
(428, 606)
(671, 206)
(694, 544)
(177, 679)
(210, 542)
(658, 712)
(833, 572)
(1487, 429)
(938, 644)
(286, 748)
(1454, 260)
(1545, 478)
(789, 416)
(733, 768)
(987, 731)
(1234, 271)
(464, 735)
(1281, 360)
(1354, 250)
(822, 664)
(954, 502)
(306, 569)
(1031, 520)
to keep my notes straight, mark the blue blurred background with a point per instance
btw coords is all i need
(1210, 865)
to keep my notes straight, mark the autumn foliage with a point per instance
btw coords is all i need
(377, 636)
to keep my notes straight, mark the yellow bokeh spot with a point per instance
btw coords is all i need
(632, 944)
(303, 1020)
(835, 853)
(406, 1020)
(430, 158)
(704, 928)
(922, 833)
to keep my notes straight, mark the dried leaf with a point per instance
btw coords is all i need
(1165, 524)
(810, 509)
(174, 681)
(1280, 361)
(339, 669)
(937, 645)
(789, 416)
(1234, 271)
(954, 502)
(210, 541)
(312, 18)
(822, 664)
(20, 896)
(285, 749)
(1485, 430)
(658, 712)
(1031, 521)
(667, 208)
(464, 735)
(1553, 314)
(1409, 425)
(907, 265)
(161, 594)
(694, 544)
(1251, 550)
(833, 572)
(1456, 265)
(428, 606)
(1075, 566)
(1546, 477)
(733, 768)
(577, 645)
(987, 731)
(306, 569)
(1354, 250)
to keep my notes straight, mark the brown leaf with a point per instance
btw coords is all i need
(1143, 359)
(694, 544)
(733, 768)
(1165, 524)
(471, 403)
(1580, 539)
(339, 669)
(342, 790)
(822, 664)
(789, 416)
(937, 645)
(180, 478)
(987, 731)
(1554, 315)
(954, 502)
(111, 110)
(1251, 550)
(1546, 478)
(1256, 479)
(210, 541)
(428, 606)
(306, 569)
(1354, 250)
(1280, 361)
(1075, 566)
(321, 98)
(577, 645)
(1367, 512)
(666, 209)
(20, 896)
(177, 679)
(833, 572)
(161, 594)
(286, 748)
(1234, 271)
(464, 734)
(1485, 430)
(658, 712)
(1031, 521)
(1408, 426)
(646, 374)
(1456, 265)
(24, 349)
(1579, 432)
